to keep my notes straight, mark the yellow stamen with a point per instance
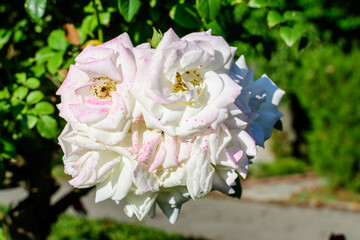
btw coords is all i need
(102, 90)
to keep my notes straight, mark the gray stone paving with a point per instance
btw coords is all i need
(227, 219)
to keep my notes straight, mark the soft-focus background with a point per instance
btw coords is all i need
(308, 48)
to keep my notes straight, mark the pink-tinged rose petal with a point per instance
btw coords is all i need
(159, 157)
(147, 150)
(172, 145)
(116, 43)
(169, 37)
(104, 67)
(91, 53)
(199, 171)
(185, 151)
(87, 113)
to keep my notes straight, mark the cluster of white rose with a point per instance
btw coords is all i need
(163, 125)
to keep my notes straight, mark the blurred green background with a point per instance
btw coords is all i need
(308, 48)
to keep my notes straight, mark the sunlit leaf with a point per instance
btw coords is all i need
(57, 40)
(55, 62)
(208, 9)
(47, 127)
(128, 8)
(44, 108)
(21, 92)
(34, 97)
(184, 16)
(5, 35)
(274, 18)
(32, 83)
(29, 121)
(290, 35)
(35, 8)
(257, 3)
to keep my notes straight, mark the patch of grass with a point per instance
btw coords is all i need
(71, 228)
(279, 167)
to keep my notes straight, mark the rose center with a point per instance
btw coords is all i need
(185, 80)
(103, 89)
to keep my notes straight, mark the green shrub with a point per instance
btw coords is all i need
(325, 81)
(71, 227)
(279, 167)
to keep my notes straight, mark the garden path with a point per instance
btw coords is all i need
(216, 217)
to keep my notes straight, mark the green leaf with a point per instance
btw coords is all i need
(104, 18)
(38, 70)
(237, 188)
(20, 92)
(20, 77)
(216, 29)
(184, 16)
(208, 9)
(274, 18)
(293, 16)
(156, 38)
(19, 36)
(278, 125)
(29, 121)
(32, 83)
(43, 54)
(57, 40)
(34, 97)
(257, 3)
(7, 149)
(290, 35)
(128, 8)
(55, 62)
(88, 26)
(47, 127)
(35, 8)
(5, 35)
(239, 12)
(44, 108)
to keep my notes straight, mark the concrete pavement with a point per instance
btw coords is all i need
(216, 217)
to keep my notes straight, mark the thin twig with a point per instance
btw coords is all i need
(52, 79)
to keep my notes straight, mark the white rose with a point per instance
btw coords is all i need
(184, 88)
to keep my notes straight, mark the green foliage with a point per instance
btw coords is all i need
(208, 9)
(35, 8)
(47, 127)
(185, 16)
(325, 81)
(70, 227)
(128, 8)
(290, 35)
(280, 167)
(274, 18)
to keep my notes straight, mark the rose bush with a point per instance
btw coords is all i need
(165, 125)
